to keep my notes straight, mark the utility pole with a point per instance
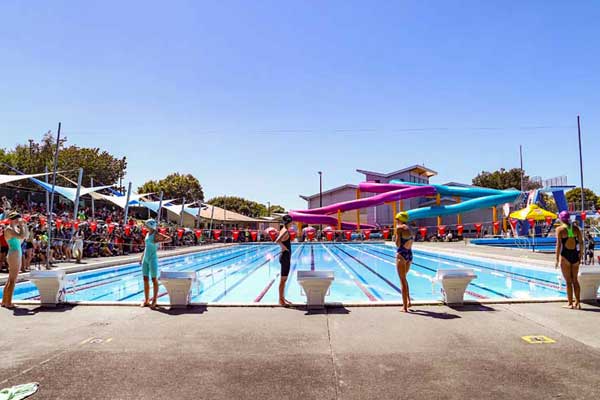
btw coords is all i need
(522, 173)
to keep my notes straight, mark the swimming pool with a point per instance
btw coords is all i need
(363, 273)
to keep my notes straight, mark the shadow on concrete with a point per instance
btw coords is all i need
(433, 314)
(471, 307)
(27, 312)
(199, 309)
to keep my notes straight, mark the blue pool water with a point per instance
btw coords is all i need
(363, 273)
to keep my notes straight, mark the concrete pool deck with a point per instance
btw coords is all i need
(275, 353)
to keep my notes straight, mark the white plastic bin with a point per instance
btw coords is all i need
(589, 281)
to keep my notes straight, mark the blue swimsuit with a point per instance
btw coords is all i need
(403, 251)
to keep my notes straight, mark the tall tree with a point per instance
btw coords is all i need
(34, 156)
(591, 199)
(244, 206)
(503, 179)
(176, 186)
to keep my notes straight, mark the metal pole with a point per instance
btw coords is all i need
(160, 201)
(77, 194)
(48, 214)
(581, 171)
(212, 215)
(182, 208)
(93, 207)
(321, 196)
(52, 198)
(521, 156)
(127, 204)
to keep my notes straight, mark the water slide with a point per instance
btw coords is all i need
(322, 215)
(398, 190)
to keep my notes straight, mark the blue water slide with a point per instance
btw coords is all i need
(468, 205)
(561, 200)
(468, 192)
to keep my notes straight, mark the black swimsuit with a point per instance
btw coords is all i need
(285, 258)
(403, 251)
(571, 255)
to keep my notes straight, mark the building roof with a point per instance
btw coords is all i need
(419, 169)
(336, 189)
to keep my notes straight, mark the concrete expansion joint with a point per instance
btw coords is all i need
(336, 380)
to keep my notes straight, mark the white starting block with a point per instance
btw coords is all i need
(454, 283)
(316, 286)
(179, 285)
(51, 285)
(589, 281)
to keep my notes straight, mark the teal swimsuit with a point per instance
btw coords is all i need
(14, 244)
(150, 261)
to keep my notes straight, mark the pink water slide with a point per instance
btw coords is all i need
(388, 193)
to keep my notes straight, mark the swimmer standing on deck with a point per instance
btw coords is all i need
(569, 254)
(149, 261)
(285, 259)
(404, 256)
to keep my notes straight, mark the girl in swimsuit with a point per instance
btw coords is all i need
(14, 233)
(404, 256)
(569, 253)
(149, 261)
(285, 258)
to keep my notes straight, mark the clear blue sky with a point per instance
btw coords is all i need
(254, 97)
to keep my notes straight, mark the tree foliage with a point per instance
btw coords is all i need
(589, 197)
(503, 179)
(175, 186)
(34, 157)
(245, 207)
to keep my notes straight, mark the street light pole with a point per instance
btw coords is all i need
(320, 188)
(581, 172)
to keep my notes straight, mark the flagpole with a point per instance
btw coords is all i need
(77, 194)
(160, 201)
(127, 204)
(581, 172)
(93, 209)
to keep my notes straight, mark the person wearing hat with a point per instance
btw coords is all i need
(404, 240)
(149, 261)
(569, 254)
(14, 233)
(285, 258)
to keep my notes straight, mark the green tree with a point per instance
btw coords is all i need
(503, 179)
(175, 186)
(590, 198)
(244, 206)
(34, 157)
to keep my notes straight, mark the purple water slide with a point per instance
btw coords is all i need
(321, 215)
(372, 187)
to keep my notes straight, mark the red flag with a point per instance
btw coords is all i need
(236, 235)
(310, 234)
(162, 231)
(442, 229)
(460, 229)
(367, 233)
(216, 234)
(513, 223)
(531, 222)
(549, 220)
(93, 226)
(180, 232)
(127, 230)
(292, 235)
(329, 235)
(583, 215)
(198, 233)
(273, 234)
(386, 233)
(348, 235)
(58, 223)
(496, 225)
(253, 235)
(423, 231)
(144, 230)
(110, 228)
(478, 228)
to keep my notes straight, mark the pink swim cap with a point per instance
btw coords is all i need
(564, 216)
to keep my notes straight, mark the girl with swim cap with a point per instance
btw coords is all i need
(285, 258)
(149, 261)
(569, 252)
(404, 256)
(15, 233)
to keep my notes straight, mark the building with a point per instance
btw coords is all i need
(380, 215)
(383, 215)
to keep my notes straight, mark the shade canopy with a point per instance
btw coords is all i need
(121, 201)
(67, 192)
(532, 211)
(11, 178)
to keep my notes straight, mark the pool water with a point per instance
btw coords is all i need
(363, 273)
